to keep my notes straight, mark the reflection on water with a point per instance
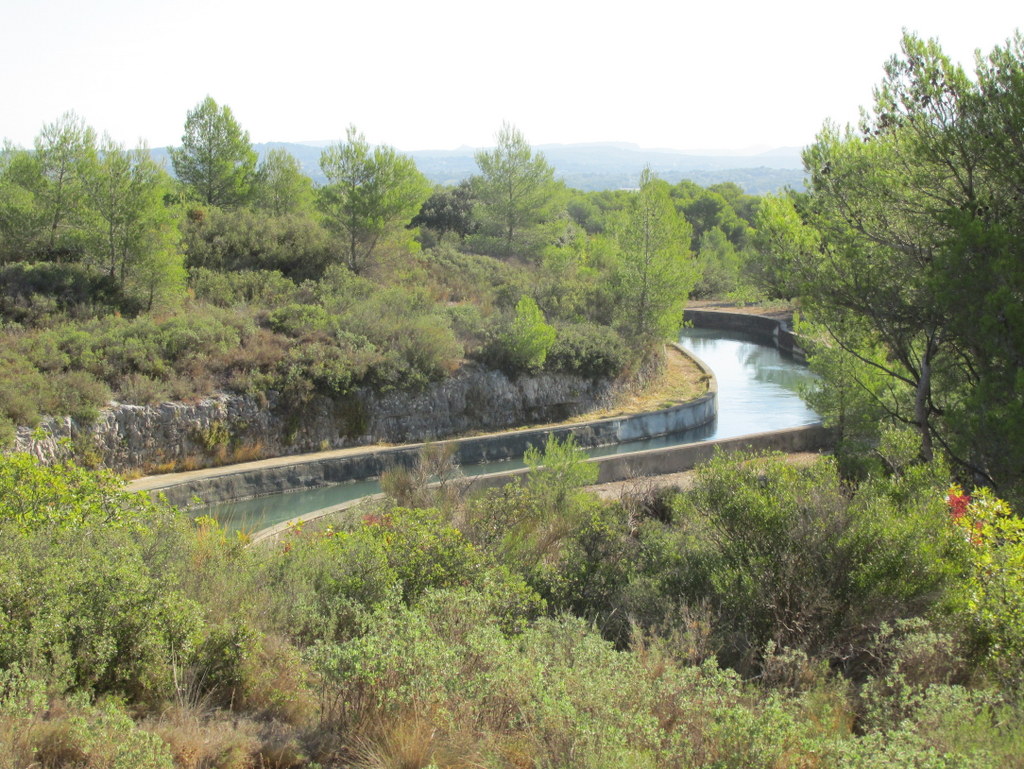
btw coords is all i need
(758, 386)
(757, 391)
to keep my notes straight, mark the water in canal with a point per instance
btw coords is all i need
(757, 391)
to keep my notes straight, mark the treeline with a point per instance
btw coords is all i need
(773, 615)
(120, 281)
(906, 256)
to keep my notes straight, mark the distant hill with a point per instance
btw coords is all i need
(596, 166)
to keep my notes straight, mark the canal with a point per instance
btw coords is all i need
(758, 390)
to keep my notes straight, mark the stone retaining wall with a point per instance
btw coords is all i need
(292, 473)
(232, 428)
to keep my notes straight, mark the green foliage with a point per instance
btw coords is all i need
(483, 280)
(21, 215)
(718, 264)
(230, 240)
(134, 237)
(786, 557)
(516, 197)
(588, 350)
(28, 391)
(448, 210)
(524, 346)
(84, 602)
(572, 283)
(33, 292)
(65, 150)
(369, 195)
(853, 394)
(905, 248)
(216, 159)
(994, 588)
(656, 273)
(783, 240)
(281, 188)
(64, 496)
(558, 473)
(263, 288)
(328, 586)
(412, 333)
(396, 635)
(101, 735)
(531, 526)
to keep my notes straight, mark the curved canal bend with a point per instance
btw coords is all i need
(758, 391)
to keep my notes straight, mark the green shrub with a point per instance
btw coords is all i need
(588, 350)
(414, 337)
(30, 292)
(75, 732)
(80, 600)
(241, 239)
(260, 288)
(482, 280)
(298, 320)
(8, 432)
(518, 343)
(785, 556)
(23, 389)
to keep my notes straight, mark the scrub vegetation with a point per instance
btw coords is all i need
(774, 615)
(119, 281)
(865, 611)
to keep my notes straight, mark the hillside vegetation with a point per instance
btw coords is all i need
(119, 281)
(862, 612)
(772, 616)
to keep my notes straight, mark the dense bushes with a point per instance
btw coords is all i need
(546, 628)
(589, 350)
(785, 556)
(32, 293)
(239, 239)
(262, 333)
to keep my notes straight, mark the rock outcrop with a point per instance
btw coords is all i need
(228, 428)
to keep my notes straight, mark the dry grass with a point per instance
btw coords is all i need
(679, 381)
(205, 741)
(218, 739)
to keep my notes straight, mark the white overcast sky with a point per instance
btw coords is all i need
(437, 74)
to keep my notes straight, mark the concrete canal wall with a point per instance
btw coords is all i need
(771, 331)
(281, 474)
(622, 467)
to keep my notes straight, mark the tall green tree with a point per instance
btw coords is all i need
(280, 186)
(22, 220)
(133, 237)
(516, 194)
(909, 250)
(216, 159)
(370, 194)
(64, 151)
(656, 272)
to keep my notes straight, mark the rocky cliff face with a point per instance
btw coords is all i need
(235, 427)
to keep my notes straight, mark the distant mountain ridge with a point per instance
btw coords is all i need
(594, 166)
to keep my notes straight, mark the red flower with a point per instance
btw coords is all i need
(958, 505)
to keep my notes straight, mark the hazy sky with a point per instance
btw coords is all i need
(439, 74)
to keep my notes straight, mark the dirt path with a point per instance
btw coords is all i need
(775, 310)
